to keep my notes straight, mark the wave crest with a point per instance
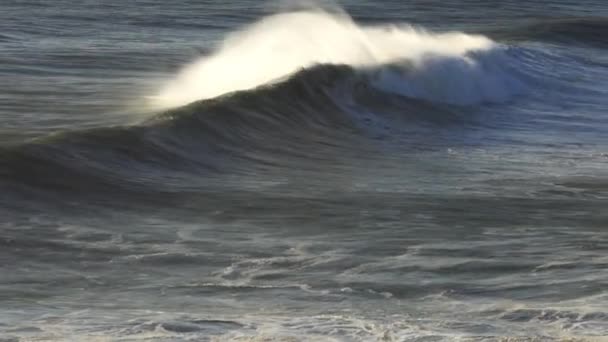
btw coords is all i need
(280, 45)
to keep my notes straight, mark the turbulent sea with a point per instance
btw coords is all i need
(390, 170)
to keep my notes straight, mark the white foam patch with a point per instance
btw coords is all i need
(280, 45)
(485, 77)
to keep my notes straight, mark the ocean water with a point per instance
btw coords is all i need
(275, 171)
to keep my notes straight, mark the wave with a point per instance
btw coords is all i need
(309, 120)
(434, 64)
(312, 111)
(6, 38)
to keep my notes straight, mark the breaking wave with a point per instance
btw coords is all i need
(450, 67)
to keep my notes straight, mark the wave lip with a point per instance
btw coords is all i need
(280, 45)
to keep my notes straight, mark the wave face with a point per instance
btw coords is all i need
(433, 65)
(310, 83)
(328, 111)
(279, 92)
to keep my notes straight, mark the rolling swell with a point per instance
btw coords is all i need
(298, 119)
(316, 108)
(320, 117)
(204, 138)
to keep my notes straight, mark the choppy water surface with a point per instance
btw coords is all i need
(249, 171)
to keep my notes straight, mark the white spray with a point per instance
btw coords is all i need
(280, 45)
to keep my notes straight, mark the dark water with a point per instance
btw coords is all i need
(313, 178)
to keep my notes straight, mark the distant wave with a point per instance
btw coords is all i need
(6, 38)
(589, 31)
